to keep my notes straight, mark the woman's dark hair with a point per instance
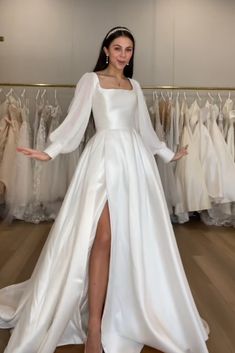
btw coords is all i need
(119, 31)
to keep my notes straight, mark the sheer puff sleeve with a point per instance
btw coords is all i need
(67, 137)
(145, 128)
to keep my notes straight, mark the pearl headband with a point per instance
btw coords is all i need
(118, 29)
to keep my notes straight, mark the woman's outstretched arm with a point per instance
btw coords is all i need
(41, 156)
(69, 133)
(181, 153)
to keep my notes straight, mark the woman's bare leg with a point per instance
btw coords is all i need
(98, 279)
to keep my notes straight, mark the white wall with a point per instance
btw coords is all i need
(179, 42)
(58, 40)
(204, 42)
(194, 42)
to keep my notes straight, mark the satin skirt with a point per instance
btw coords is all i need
(148, 299)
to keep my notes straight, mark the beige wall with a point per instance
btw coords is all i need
(58, 40)
(182, 42)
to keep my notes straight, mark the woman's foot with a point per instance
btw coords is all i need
(93, 342)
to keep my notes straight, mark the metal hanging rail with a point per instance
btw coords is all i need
(191, 88)
(180, 88)
(36, 85)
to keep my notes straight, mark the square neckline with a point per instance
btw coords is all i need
(115, 89)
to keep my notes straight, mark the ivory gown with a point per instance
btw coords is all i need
(148, 298)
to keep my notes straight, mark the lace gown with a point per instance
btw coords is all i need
(166, 170)
(148, 298)
(22, 172)
(54, 174)
(13, 120)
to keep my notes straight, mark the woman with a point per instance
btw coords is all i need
(113, 228)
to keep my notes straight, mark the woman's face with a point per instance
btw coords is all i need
(120, 52)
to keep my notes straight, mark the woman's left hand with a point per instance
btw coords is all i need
(181, 153)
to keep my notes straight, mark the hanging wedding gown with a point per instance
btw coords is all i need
(223, 213)
(190, 173)
(207, 153)
(228, 106)
(166, 170)
(4, 130)
(224, 156)
(21, 172)
(148, 298)
(14, 121)
(54, 173)
(230, 139)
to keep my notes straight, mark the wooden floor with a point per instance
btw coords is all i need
(208, 255)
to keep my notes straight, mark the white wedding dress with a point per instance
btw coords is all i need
(207, 152)
(189, 171)
(148, 298)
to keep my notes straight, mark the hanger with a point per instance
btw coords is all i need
(9, 93)
(43, 93)
(56, 100)
(162, 95)
(219, 96)
(37, 95)
(210, 96)
(1, 91)
(23, 95)
(155, 95)
(198, 96)
(14, 95)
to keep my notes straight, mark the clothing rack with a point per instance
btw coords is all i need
(186, 88)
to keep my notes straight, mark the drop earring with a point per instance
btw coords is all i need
(107, 59)
(127, 64)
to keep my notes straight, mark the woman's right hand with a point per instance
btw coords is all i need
(41, 156)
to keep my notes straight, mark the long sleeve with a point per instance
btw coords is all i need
(146, 130)
(67, 137)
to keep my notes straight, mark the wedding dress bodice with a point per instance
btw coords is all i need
(114, 108)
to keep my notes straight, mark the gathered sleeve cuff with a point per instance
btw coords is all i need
(53, 149)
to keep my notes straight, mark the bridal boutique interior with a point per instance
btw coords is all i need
(184, 63)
